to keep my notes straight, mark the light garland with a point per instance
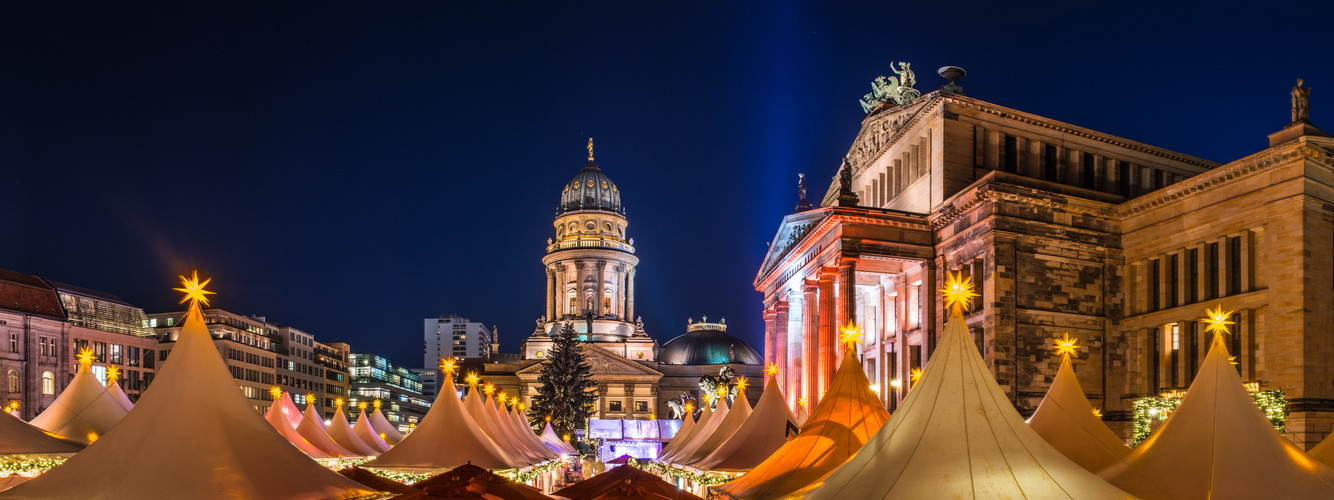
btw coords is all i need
(27, 467)
(524, 476)
(659, 468)
(1272, 403)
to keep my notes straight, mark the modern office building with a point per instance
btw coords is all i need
(116, 331)
(247, 344)
(398, 390)
(451, 336)
(428, 378)
(298, 373)
(333, 358)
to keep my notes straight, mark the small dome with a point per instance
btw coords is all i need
(708, 344)
(591, 190)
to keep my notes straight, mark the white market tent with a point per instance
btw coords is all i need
(554, 442)
(1217, 444)
(802, 416)
(192, 435)
(495, 410)
(680, 456)
(685, 437)
(21, 438)
(1066, 420)
(682, 434)
(84, 411)
(732, 421)
(343, 434)
(487, 425)
(119, 396)
(1324, 452)
(525, 432)
(312, 429)
(762, 434)
(447, 437)
(957, 435)
(368, 435)
(277, 417)
(384, 428)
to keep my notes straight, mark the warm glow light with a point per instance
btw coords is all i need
(338, 402)
(1066, 346)
(653, 416)
(86, 357)
(12, 407)
(915, 375)
(113, 374)
(895, 383)
(566, 438)
(689, 408)
(1232, 359)
(548, 418)
(852, 335)
(741, 384)
(1217, 321)
(771, 370)
(448, 365)
(1251, 386)
(376, 403)
(92, 436)
(194, 290)
(488, 389)
(1097, 413)
(503, 398)
(722, 391)
(801, 402)
(276, 392)
(361, 406)
(875, 388)
(472, 379)
(310, 398)
(958, 291)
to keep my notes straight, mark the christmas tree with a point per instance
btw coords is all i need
(566, 383)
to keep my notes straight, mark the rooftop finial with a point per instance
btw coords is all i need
(802, 204)
(590, 149)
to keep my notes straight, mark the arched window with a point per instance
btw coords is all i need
(13, 381)
(48, 384)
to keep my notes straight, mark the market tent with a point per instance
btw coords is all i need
(116, 392)
(487, 425)
(802, 416)
(762, 434)
(384, 428)
(844, 420)
(376, 482)
(957, 435)
(84, 411)
(312, 429)
(1217, 444)
(525, 432)
(343, 434)
(447, 437)
(682, 435)
(621, 476)
(367, 433)
(282, 409)
(732, 421)
(554, 442)
(21, 438)
(192, 435)
(1066, 420)
(471, 481)
(496, 409)
(277, 417)
(1324, 452)
(689, 438)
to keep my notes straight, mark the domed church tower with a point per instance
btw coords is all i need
(590, 270)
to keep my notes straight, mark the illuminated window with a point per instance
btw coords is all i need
(614, 406)
(13, 381)
(170, 321)
(13, 342)
(152, 322)
(48, 384)
(641, 405)
(1176, 335)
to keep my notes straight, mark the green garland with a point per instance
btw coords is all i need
(524, 476)
(660, 469)
(1272, 402)
(27, 466)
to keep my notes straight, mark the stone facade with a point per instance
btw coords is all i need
(1063, 229)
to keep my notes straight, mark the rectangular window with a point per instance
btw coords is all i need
(1193, 276)
(1011, 154)
(1049, 163)
(115, 355)
(13, 342)
(1153, 284)
(1090, 172)
(1122, 178)
(100, 350)
(1173, 284)
(132, 356)
(614, 406)
(1211, 256)
(1234, 266)
(641, 406)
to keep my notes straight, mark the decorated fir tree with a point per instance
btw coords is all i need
(565, 386)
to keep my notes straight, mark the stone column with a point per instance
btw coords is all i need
(828, 337)
(601, 290)
(780, 344)
(809, 342)
(630, 296)
(578, 309)
(620, 293)
(770, 330)
(551, 292)
(847, 300)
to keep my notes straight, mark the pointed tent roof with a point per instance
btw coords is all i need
(447, 437)
(683, 439)
(682, 435)
(1066, 420)
(21, 438)
(471, 481)
(802, 416)
(312, 429)
(367, 433)
(958, 436)
(484, 422)
(501, 418)
(194, 423)
(84, 411)
(382, 426)
(732, 421)
(343, 434)
(283, 408)
(765, 430)
(278, 420)
(618, 476)
(525, 432)
(842, 422)
(1218, 441)
(119, 396)
(554, 442)
(1324, 452)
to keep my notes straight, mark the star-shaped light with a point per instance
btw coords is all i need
(472, 379)
(771, 370)
(448, 365)
(362, 406)
(376, 403)
(338, 402)
(548, 418)
(522, 406)
(488, 389)
(741, 384)
(12, 407)
(1232, 359)
(852, 335)
(916, 374)
(722, 390)
(113, 374)
(958, 291)
(708, 398)
(86, 357)
(1097, 413)
(310, 398)
(689, 408)
(1066, 346)
(194, 290)
(1218, 321)
(802, 402)
(276, 392)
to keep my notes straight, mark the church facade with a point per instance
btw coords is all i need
(1063, 230)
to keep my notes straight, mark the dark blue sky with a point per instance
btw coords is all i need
(353, 168)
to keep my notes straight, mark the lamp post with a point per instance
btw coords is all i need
(897, 385)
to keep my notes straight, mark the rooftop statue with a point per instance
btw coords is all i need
(892, 89)
(1301, 102)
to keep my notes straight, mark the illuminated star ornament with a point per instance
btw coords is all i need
(771, 370)
(86, 357)
(472, 379)
(194, 290)
(338, 402)
(802, 402)
(276, 392)
(113, 374)
(362, 406)
(958, 291)
(741, 384)
(852, 335)
(1218, 322)
(915, 375)
(488, 389)
(1097, 413)
(1066, 346)
(448, 365)
(689, 408)
(310, 398)
(376, 403)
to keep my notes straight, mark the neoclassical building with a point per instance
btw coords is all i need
(1064, 230)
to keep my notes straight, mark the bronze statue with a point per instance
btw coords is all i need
(1301, 102)
(802, 204)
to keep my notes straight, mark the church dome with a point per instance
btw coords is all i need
(708, 344)
(591, 190)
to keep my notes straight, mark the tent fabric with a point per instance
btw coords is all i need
(683, 454)
(21, 438)
(1065, 419)
(554, 442)
(386, 429)
(485, 423)
(525, 431)
(761, 435)
(1324, 452)
(958, 436)
(343, 434)
(284, 407)
(312, 429)
(277, 417)
(501, 418)
(1217, 444)
(367, 433)
(118, 394)
(802, 416)
(704, 417)
(732, 421)
(447, 437)
(193, 435)
(847, 416)
(620, 476)
(682, 435)
(84, 411)
(471, 481)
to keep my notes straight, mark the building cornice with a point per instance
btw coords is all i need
(804, 231)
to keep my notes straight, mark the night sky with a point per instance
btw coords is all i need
(350, 169)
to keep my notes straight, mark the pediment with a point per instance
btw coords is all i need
(792, 231)
(603, 363)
